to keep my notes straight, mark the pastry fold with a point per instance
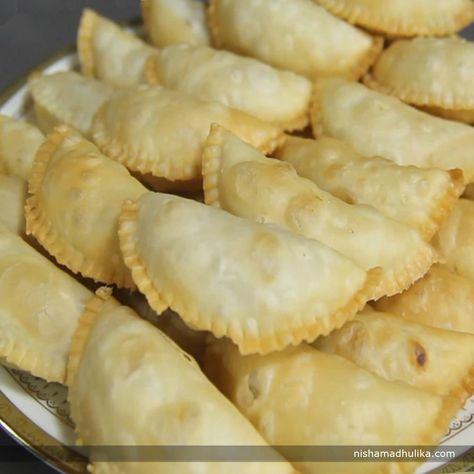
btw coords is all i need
(270, 94)
(158, 131)
(76, 197)
(40, 307)
(273, 31)
(258, 284)
(302, 396)
(419, 197)
(441, 299)
(437, 360)
(239, 179)
(132, 388)
(67, 98)
(405, 17)
(378, 125)
(109, 53)
(175, 21)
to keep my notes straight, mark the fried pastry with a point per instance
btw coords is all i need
(175, 21)
(419, 197)
(260, 285)
(154, 130)
(270, 94)
(405, 17)
(119, 361)
(109, 53)
(296, 35)
(12, 203)
(441, 299)
(40, 307)
(67, 98)
(76, 196)
(304, 397)
(437, 360)
(19, 142)
(469, 192)
(378, 125)
(239, 179)
(430, 72)
(455, 239)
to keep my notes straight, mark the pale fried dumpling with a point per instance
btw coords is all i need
(175, 21)
(394, 348)
(378, 125)
(270, 94)
(260, 285)
(130, 387)
(12, 203)
(297, 35)
(40, 306)
(19, 142)
(455, 239)
(405, 17)
(239, 179)
(109, 53)
(419, 197)
(67, 97)
(434, 72)
(440, 299)
(304, 397)
(77, 194)
(154, 130)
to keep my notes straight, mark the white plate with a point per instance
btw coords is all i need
(36, 412)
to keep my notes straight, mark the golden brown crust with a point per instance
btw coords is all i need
(39, 224)
(81, 335)
(84, 42)
(250, 343)
(381, 23)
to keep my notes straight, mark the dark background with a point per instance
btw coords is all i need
(30, 31)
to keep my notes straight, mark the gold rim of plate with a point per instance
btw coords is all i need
(19, 427)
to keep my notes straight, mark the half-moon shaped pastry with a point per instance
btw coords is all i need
(109, 53)
(239, 179)
(304, 397)
(432, 72)
(67, 97)
(19, 142)
(296, 35)
(270, 94)
(378, 125)
(132, 390)
(455, 239)
(405, 17)
(436, 360)
(12, 203)
(175, 21)
(154, 130)
(76, 196)
(40, 307)
(441, 299)
(260, 285)
(419, 197)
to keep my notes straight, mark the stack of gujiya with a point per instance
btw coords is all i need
(325, 286)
